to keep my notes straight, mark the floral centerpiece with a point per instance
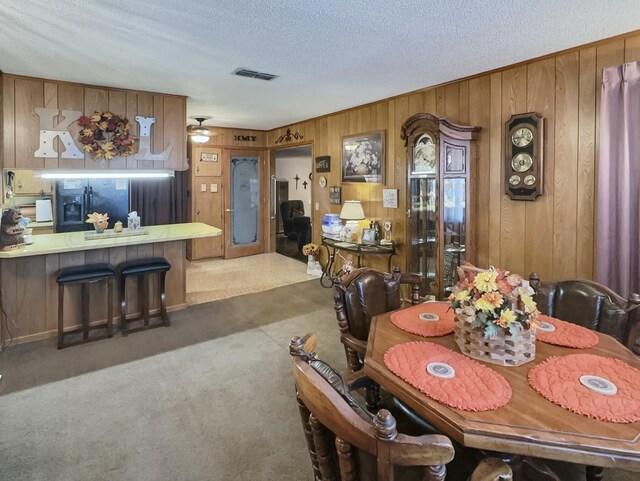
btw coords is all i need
(311, 249)
(495, 311)
(100, 221)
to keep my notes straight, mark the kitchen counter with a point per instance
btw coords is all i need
(30, 291)
(36, 224)
(75, 241)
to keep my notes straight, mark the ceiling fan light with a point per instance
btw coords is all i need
(199, 133)
(200, 139)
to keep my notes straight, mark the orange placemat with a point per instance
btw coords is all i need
(473, 386)
(430, 319)
(565, 333)
(599, 387)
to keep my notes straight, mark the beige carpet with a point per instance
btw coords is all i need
(216, 279)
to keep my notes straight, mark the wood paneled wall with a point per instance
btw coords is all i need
(554, 235)
(20, 125)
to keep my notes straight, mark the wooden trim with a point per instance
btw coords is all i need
(79, 84)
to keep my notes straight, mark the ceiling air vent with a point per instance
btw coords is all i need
(243, 72)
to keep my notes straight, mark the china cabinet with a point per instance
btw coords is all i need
(440, 205)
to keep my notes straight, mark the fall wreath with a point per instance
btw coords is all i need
(106, 135)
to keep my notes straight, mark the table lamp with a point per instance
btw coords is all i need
(351, 212)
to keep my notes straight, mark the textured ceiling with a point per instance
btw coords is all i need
(329, 55)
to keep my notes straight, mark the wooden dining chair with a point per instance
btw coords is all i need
(594, 306)
(591, 305)
(346, 442)
(361, 295)
(358, 297)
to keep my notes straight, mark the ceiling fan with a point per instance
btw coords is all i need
(199, 133)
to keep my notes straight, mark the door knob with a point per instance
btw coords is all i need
(228, 210)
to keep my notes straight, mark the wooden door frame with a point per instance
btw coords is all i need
(263, 198)
(271, 246)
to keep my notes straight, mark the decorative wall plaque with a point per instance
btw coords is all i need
(209, 157)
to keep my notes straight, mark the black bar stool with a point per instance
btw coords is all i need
(84, 275)
(143, 268)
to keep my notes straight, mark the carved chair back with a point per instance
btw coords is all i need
(347, 444)
(591, 305)
(363, 294)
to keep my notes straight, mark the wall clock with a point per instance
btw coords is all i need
(523, 156)
(322, 181)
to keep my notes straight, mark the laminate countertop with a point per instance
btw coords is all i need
(76, 241)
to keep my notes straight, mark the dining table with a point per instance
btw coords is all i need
(528, 426)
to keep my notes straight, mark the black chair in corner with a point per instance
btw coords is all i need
(295, 224)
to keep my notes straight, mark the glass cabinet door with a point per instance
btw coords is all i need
(454, 221)
(424, 232)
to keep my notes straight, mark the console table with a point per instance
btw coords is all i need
(359, 250)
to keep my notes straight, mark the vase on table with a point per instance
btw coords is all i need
(313, 266)
(100, 227)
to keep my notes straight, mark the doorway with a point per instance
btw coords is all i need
(243, 222)
(291, 183)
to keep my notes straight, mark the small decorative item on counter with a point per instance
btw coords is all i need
(133, 220)
(117, 227)
(100, 221)
(11, 233)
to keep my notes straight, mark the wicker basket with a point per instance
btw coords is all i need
(505, 349)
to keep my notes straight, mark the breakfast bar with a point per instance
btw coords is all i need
(28, 289)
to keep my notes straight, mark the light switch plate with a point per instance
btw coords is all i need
(214, 187)
(203, 187)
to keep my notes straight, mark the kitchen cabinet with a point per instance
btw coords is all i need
(206, 161)
(207, 207)
(441, 158)
(25, 183)
(20, 123)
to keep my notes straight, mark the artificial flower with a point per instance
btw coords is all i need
(461, 295)
(494, 300)
(96, 218)
(529, 304)
(310, 249)
(514, 280)
(506, 317)
(486, 281)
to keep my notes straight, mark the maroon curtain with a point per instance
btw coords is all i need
(618, 201)
(160, 201)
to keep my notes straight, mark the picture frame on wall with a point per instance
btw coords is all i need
(390, 198)
(363, 158)
(335, 194)
(323, 163)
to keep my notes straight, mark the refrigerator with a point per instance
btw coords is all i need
(75, 198)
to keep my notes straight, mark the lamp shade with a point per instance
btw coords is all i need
(352, 210)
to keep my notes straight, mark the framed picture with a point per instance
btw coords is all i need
(323, 164)
(363, 158)
(209, 157)
(335, 194)
(390, 198)
(369, 236)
